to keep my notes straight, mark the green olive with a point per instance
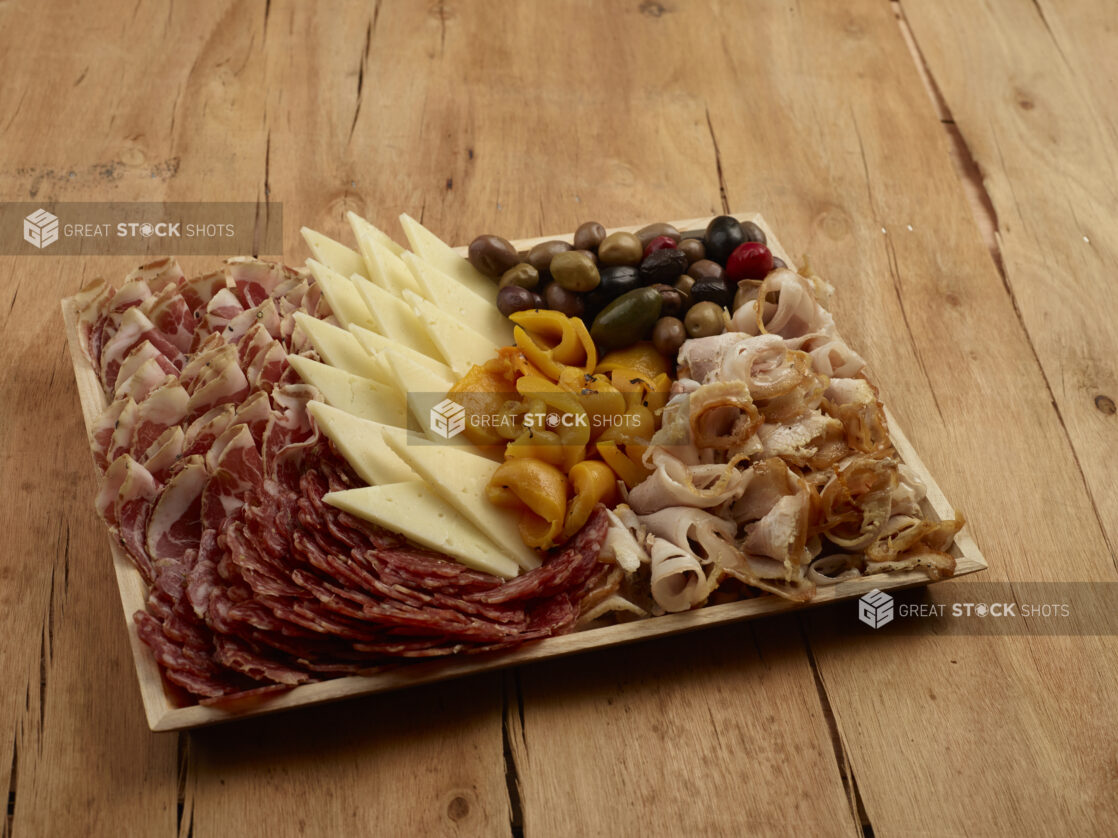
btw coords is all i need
(704, 319)
(652, 231)
(620, 249)
(668, 335)
(627, 319)
(683, 286)
(706, 267)
(693, 249)
(541, 255)
(589, 235)
(523, 275)
(575, 270)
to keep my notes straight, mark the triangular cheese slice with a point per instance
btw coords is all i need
(376, 345)
(453, 298)
(361, 442)
(382, 261)
(461, 477)
(394, 319)
(431, 248)
(420, 388)
(415, 510)
(339, 348)
(334, 255)
(351, 393)
(460, 346)
(363, 228)
(345, 303)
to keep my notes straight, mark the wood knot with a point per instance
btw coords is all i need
(458, 808)
(652, 8)
(1106, 405)
(952, 299)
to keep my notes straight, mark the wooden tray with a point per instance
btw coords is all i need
(164, 714)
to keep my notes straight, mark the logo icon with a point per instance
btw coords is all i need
(448, 419)
(875, 609)
(40, 228)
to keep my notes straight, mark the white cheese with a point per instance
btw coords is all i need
(434, 250)
(334, 255)
(345, 303)
(339, 348)
(351, 393)
(467, 307)
(461, 346)
(361, 442)
(394, 319)
(413, 509)
(420, 388)
(461, 477)
(376, 345)
(382, 258)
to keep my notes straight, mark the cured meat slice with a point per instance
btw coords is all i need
(147, 377)
(201, 433)
(254, 340)
(264, 314)
(101, 435)
(92, 303)
(121, 440)
(220, 310)
(135, 328)
(164, 453)
(159, 274)
(142, 353)
(198, 292)
(176, 519)
(255, 281)
(172, 316)
(226, 385)
(162, 409)
(206, 362)
(255, 412)
(124, 503)
(267, 367)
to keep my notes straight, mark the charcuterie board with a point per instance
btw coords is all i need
(160, 699)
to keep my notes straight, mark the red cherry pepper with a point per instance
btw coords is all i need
(751, 260)
(659, 243)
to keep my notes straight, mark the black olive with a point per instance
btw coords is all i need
(712, 290)
(724, 233)
(663, 266)
(616, 280)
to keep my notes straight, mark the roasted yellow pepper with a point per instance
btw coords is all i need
(539, 491)
(550, 341)
(592, 482)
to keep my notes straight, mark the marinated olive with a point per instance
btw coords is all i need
(668, 335)
(684, 285)
(663, 266)
(617, 279)
(693, 249)
(704, 319)
(714, 290)
(653, 231)
(753, 233)
(541, 255)
(626, 320)
(513, 298)
(523, 275)
(558, 298)
(492, 255)
(724, 233)
(672, 300)
(705, 267)
(589, 235)
(751, 260)
(620, 249)
(659, 243)
(575, 270)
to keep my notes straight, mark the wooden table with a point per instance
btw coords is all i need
(967, 219)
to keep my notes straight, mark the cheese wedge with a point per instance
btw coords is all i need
(434, 250)
(346, 304)
(376, 345)
(461, 346)
(456, 300)
(361, 442)
(351, 393)
(334, 255)
(460, 478)
(414, 510)
(394, 319)
(339, 348)
(420, 388)
(362, 228)
(383, 264)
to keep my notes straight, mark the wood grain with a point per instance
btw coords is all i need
(503, 117)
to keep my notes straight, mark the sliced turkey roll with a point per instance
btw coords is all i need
(678, 582)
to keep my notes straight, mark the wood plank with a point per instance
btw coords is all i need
(854, 167)
(412, 763)
(1041, 124)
